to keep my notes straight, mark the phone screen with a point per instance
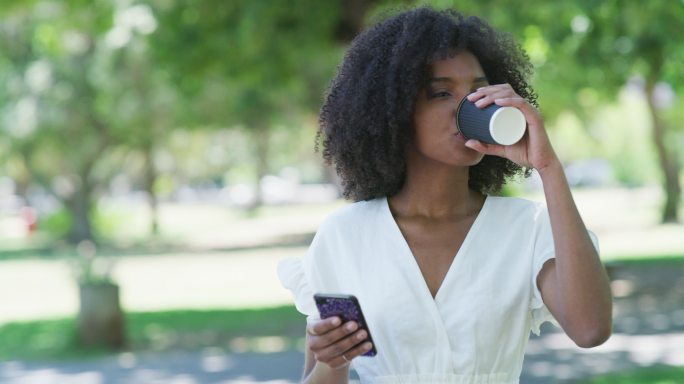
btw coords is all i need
(347, 308)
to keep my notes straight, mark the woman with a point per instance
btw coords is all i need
(451, 278)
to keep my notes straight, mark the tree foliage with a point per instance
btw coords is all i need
(600, 47)
(90, 90)
(585, 52)
(85, 84)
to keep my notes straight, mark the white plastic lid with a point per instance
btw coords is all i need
(507, 125)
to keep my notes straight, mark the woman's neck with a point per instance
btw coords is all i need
(436, 191)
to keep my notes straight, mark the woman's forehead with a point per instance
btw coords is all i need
(463, 64)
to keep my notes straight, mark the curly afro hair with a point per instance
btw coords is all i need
(366, 120)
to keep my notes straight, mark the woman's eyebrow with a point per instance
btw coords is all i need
(441, 80)
(480, 79)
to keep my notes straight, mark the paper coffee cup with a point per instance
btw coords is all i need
(493, 124)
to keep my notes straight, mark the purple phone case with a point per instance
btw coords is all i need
(347, 308)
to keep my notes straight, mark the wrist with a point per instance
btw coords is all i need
(324, 373)
(552, 167)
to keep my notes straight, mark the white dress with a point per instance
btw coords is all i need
(476, 328)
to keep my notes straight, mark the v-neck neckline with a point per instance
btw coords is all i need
(453, 267)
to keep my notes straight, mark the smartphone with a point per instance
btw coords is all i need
(347, 308)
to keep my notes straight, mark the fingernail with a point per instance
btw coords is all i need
(367, 346)
(336, 321)
(361, 335)
(351, 326)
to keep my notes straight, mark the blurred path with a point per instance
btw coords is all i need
(168, 368)
(551, 359)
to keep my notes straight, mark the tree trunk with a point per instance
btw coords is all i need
(139, 70)
(100, 318)
(260, 136)
(79, 207)
(150, 178)
(23, 178)
(668, 160)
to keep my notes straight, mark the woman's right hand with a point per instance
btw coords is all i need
(334, 343)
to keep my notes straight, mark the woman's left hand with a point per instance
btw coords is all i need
(534, 149)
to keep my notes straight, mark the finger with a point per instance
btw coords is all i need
(358, 350)
(324, 326)
(346, 358)
(340, 362)
(343, 346)
(489, 98)
(483, 91)
(333, 336)
(487, 149)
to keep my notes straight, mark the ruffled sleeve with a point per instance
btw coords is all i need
(293, 277)
(543, 252)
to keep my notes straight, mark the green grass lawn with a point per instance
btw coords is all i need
(241, 330)
(671, 375)
(675, 257)
(244, 330)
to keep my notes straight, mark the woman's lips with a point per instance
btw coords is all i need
(459, 136)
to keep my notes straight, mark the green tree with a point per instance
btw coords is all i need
(585, 52)
(58, 130)
(591, 50)
(255, 65)
(86, 82)
(143, 97)
(78, 92)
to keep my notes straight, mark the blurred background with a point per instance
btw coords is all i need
(157, 161)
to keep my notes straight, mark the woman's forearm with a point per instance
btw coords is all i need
(315, 372)
(582, 289)
(322, 374)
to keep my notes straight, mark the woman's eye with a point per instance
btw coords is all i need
(441, 94)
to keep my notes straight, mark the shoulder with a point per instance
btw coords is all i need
(345, 231)
(516, 206)
(354, 215)
(518, 213)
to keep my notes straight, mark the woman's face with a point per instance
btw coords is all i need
(436, 136)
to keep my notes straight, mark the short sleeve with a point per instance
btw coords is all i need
(544, 251)
(293, 277)
(303, 276)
